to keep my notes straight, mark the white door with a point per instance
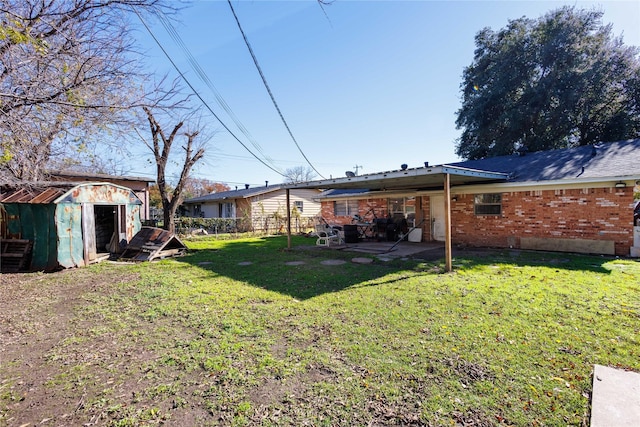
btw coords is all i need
(437, 218)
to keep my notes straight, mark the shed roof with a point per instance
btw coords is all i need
(97, 176)
(58, 192)
(33, 193)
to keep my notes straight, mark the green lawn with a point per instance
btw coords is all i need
(508, 338)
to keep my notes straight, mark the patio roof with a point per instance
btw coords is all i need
(423, 178)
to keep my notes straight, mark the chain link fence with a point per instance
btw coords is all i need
(267, 224)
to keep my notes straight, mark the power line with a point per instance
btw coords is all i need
(203, 76)
(199, 96)
(266, 85)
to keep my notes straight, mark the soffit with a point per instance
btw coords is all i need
(416, 179)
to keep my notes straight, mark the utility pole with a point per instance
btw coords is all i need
(356, 167)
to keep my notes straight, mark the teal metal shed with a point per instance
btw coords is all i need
(67, 225)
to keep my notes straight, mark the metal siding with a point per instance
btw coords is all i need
(26, 230)
(43, 221)
(69, 224)
(100, 193)
(13, 220)
(52, 251)
(34, 222)
(133, 221)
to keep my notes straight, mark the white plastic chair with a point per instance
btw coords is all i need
(327, 236)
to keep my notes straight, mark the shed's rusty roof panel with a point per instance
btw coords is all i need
(31, 194)
(47, 192)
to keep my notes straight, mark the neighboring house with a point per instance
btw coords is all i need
(574, 200)
(45, 226)
(139, 185)
(258, 208)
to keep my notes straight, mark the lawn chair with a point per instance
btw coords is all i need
(327, 235)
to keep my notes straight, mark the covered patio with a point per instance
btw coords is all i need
(437, 178)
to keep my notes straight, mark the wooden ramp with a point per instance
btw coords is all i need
(153, 243)
(14, 255)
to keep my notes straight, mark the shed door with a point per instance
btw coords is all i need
(122, 224)
(437, 218)
(88, 232)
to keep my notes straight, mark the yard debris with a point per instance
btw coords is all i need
(14, 254)
(153, 243)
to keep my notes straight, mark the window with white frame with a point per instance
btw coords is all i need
(299, 205)
(488, 204)
(345, 207)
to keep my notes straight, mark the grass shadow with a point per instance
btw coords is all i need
(266, 263)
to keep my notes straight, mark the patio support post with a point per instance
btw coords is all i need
(288, 219)
(447, 222)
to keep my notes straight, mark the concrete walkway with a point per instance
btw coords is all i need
(616, 398)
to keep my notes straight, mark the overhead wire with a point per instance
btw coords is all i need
(197, 94)
(266, 85)
(205, 79)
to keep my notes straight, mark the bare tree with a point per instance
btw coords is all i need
(68, 70)
(196, 187)
(161, 145)
(299, 174)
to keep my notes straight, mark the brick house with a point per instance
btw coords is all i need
(574, 200)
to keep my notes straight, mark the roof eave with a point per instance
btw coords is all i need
(408, 179)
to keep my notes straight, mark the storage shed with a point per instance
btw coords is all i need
(68, 225)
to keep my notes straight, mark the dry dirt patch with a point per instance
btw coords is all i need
(35, 317)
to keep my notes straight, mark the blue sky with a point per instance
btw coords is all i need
(372, 84)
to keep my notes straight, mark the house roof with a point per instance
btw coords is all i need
(236, 194)
(605, 160)
(244, 193)
(614, 160)
(423, 178)
(97, 176)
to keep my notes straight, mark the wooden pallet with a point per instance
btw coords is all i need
(14, 254)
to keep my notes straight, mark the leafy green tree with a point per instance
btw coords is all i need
(559, 81)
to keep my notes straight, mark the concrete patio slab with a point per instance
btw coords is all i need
(616, 398)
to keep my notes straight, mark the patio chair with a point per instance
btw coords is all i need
(327, 236)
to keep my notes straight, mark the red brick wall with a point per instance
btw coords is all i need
(424, 212)
(592, 213)
(379, 206)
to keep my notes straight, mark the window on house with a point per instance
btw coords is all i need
(345, 207)
(298, 205)
(404, 206)
(488, 204)
(227, 210)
